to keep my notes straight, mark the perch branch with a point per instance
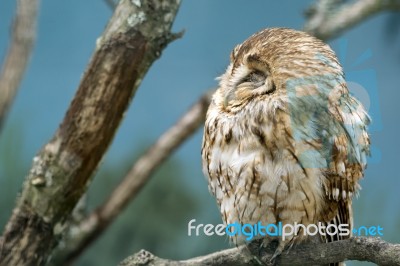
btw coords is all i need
(356, 248)
(94, 225)
(328, 18)
(133, 39)
(17, 58)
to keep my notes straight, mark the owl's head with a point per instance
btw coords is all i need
(263, 64)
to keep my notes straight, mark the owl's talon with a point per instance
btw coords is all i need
(278, 252)
(291, 243)
(272, 260)
(259, 261)
(256, 258)
(260, 248)
(264, 244)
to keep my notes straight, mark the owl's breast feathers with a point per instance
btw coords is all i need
(274, 165)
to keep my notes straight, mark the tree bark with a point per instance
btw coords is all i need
(60, 174)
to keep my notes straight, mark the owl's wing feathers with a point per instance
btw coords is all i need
(347, 146)
(338, 123)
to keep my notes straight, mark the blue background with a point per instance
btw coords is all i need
(67, 32)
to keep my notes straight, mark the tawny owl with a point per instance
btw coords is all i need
(284, 141)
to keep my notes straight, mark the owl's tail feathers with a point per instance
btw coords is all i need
(343, 219)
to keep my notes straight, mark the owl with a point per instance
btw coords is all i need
(284, 140)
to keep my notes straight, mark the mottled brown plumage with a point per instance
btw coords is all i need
(284, 141)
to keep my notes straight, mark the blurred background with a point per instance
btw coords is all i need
(157, 219)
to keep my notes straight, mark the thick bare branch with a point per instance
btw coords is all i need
(92, 227)
(135, 37)
(328, 18)
(356, 248)
(17, 58)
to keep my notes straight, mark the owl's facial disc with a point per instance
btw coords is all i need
(247, 81)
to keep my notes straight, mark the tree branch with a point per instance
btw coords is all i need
(97, 222)
(17, 58)
(328, 18)
(61, 171)
(356, 248)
